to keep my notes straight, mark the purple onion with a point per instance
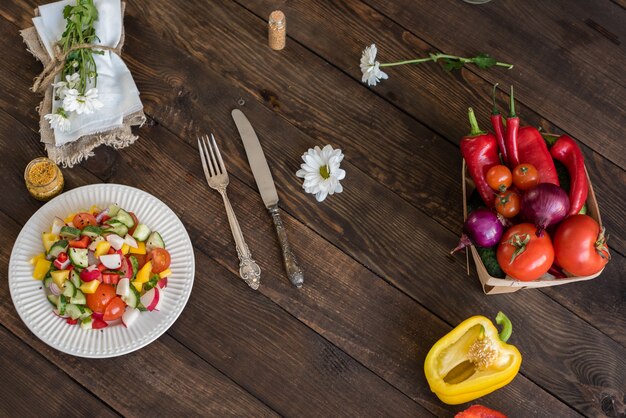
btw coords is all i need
(482, 228)
(544, 205)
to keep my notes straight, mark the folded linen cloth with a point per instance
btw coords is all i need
(110, 125)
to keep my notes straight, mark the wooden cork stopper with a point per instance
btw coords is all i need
(277, 30)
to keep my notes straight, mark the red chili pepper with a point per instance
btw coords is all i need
(512, 126)
(498, 127)
(80, 243)
(568, 152)
(480, 152)
(532, 149)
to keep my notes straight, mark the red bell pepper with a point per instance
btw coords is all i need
(480, 152)
(80, 243)
(568, 152)
(532, 149)
(512, 125)
(498, 127)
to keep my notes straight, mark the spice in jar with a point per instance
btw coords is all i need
(43, 178)
(277, 30)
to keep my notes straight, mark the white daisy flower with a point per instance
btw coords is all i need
(87, 103)
(71, 81)
(370, 67)
(58, 120)
(321, 172)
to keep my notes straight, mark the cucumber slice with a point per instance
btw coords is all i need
(125, 218)
(57, 248)
(132, 299)
(113, 209)
(79, 257)
(155, 241)
(142, 232)
(75, 278)
(116, 227)
(79, 298)
(72, 311)
(61, 304)
(69, 290)
(68, 232)
(95, 241)
(92, 231)
(47, 280)
(53, 299)
(86, 323)
(85, 312)
(135, 265)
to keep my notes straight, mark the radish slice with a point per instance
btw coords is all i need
(91, 258)
(126, 268)
(61, 265)
(116, 241)
(97, 315)
(90, 273)
(162, 284)
(102, 215)
(57, 224)
(123, 287)
(130, 316)
(98, 323)
(150, 299)
(54, 289)
(132, 242)
(111, 261)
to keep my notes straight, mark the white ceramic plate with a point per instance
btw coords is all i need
(29, 296)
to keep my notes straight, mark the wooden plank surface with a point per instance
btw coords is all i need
(380, 289)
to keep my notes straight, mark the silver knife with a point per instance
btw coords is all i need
(265, 183)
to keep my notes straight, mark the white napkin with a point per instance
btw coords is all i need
(116, 88)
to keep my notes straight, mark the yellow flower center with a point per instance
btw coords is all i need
(324, 171)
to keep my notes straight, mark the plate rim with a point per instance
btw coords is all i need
(107, 187)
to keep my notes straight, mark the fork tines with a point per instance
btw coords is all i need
(208, 152)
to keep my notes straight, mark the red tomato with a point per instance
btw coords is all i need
(160, 259)
(114, 309)
(499, 178)
(580, 246)
(508, 204)
(131, 231)
(524, 256)
(479, 411)
(141, 259)
(525, 176)
(98, 301)
(83, 219)
(80, 243)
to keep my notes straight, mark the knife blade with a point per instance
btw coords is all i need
(267, 189)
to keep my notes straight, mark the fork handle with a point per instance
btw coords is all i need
(294, 272)
(249, 270)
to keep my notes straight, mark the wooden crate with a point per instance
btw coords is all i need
(493, 285)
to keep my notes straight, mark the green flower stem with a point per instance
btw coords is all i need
(435, 57)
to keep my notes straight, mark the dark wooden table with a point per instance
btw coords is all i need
(380, 286)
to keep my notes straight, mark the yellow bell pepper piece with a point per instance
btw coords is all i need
(90, 287)
(143, 275)
(69, 218)
(102, 248)
(137, 285)
(472, 360)
(165, 273)
(41, 268)
(60, 276)
(125, 248)
(36, 258)
(49, 239)
(141, 248)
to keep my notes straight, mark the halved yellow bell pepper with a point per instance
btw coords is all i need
(472, 360)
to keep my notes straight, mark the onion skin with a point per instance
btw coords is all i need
(483, 228)
(544, 205)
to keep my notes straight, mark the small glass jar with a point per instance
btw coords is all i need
(43, 178)
(277, 30)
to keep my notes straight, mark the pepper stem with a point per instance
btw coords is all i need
(495, 110)
(507, 326)
(512, 105)
(475, 130)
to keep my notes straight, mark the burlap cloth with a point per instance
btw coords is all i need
(74, 152)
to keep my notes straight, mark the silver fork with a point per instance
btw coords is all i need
(217, 177)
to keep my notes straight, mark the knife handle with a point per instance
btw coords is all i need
(294, 272)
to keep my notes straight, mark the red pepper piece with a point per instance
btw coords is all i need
(479, 411)
(80, 243)
(512, 125)
(533, 150)
(568, 152)
(480, 152)
(71, 321)
(498, 127)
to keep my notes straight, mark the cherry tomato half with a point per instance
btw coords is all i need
(83, 219)
(160, 258)
(114, 309)
(525, 176)
(508, 204)
(499, 178)
(580, 246)
(98, 300)
(523, 255)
